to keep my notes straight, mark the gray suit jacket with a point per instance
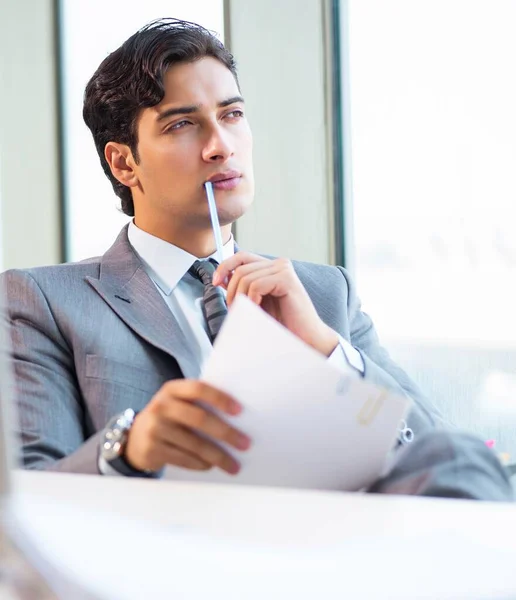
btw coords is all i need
(93, 338)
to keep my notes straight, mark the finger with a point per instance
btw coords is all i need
(271, 285)
(244, 276)
(192, 390)
(200, 419)
(243, 270)
(230, 264)
(172, 455)
(200, 448)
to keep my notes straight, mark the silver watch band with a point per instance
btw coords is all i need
(112, 449)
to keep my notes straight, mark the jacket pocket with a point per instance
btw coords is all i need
(107, 369)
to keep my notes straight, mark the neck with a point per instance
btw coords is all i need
(200, 243)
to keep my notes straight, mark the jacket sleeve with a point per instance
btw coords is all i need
(51, 412)
(381, 370)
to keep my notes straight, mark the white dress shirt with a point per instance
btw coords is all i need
(167, 266)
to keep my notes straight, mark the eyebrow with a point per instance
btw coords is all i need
(187, 110)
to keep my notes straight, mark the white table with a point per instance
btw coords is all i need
(253, 542)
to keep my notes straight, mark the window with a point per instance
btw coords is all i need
(433, 140)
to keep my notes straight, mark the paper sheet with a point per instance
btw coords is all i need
(312, 425)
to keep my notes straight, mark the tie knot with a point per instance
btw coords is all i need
(203, 270)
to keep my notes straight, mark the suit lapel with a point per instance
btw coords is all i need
(125, 286)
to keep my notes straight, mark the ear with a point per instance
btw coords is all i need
(121, 162)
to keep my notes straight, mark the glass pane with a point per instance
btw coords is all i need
(89, 32)
(433, 135)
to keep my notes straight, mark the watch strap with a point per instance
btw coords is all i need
(121, 466)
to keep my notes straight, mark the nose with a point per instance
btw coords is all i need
(218, 147)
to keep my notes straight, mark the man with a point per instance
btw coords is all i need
(107, 352)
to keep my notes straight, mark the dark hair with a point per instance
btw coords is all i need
(131, 78)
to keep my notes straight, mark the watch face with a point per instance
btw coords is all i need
(112, 449)
(116, 434)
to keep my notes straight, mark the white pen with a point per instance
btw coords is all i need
(214, 220)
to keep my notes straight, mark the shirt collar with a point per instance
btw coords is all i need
(165, 263)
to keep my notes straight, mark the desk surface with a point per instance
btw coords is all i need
(441, 548)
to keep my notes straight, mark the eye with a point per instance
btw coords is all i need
(235, 114)
(176, 126)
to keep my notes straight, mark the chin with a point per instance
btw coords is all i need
(231, 210)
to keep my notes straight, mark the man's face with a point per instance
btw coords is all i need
(196, 133)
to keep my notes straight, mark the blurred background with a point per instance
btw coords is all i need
(385, 141)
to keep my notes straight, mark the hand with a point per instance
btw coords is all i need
(168, 431)
(274, 285)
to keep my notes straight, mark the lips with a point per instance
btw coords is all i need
(228, 180)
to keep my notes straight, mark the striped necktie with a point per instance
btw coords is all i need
(214, 302)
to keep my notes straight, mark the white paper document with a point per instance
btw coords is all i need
(311, 424)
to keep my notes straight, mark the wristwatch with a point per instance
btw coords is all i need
(114, 441)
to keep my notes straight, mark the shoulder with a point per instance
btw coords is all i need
(320, 275)
(326, 276)
(64, 276)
